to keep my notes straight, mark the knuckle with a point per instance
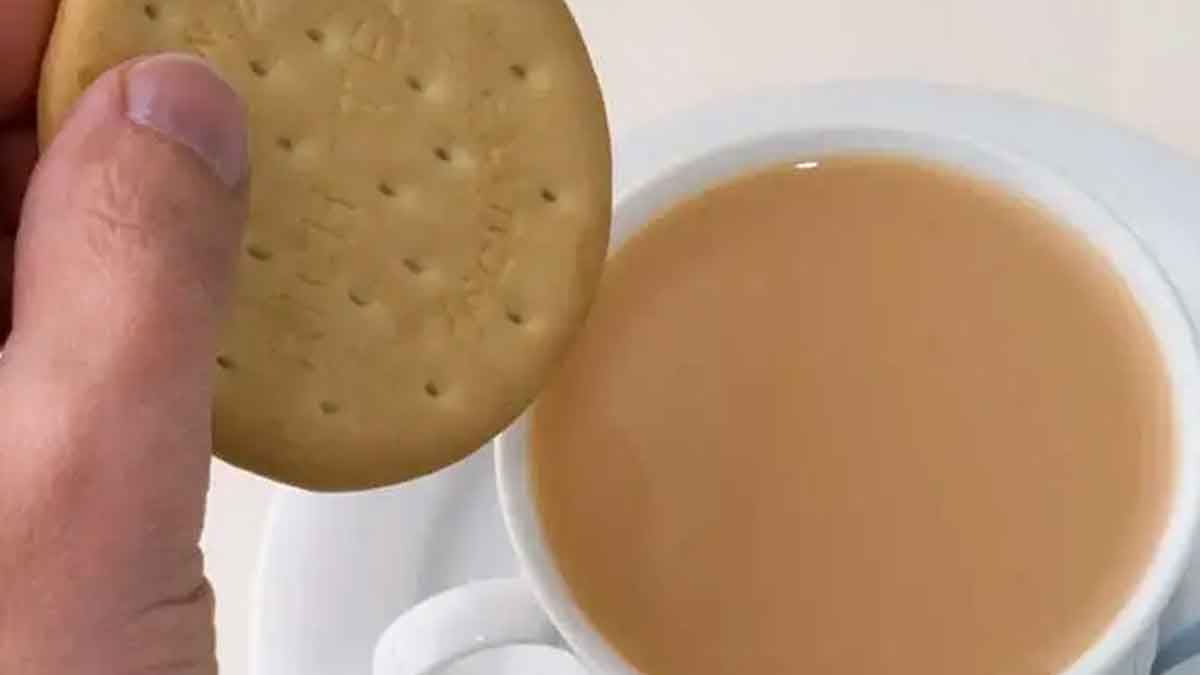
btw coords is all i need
(143, 211)
(122, 202)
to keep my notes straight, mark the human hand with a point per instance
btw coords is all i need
(123, 262)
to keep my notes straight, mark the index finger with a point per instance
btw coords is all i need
(24, 30)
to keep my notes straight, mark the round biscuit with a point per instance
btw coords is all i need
(431, 197)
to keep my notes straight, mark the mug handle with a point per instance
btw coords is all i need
(461, 622)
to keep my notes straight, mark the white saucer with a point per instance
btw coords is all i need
(337, 569)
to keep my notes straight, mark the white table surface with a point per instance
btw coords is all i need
(1131, 61)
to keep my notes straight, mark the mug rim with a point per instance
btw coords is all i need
(1160, 304)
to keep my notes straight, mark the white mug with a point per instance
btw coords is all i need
(538, 608)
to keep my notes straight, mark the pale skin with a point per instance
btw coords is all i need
(117, 246)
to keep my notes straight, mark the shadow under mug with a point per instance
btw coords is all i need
(538, 608)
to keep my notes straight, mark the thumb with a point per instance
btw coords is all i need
(123, 266)
(124, 254)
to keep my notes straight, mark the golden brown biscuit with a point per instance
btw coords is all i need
(430, 206)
